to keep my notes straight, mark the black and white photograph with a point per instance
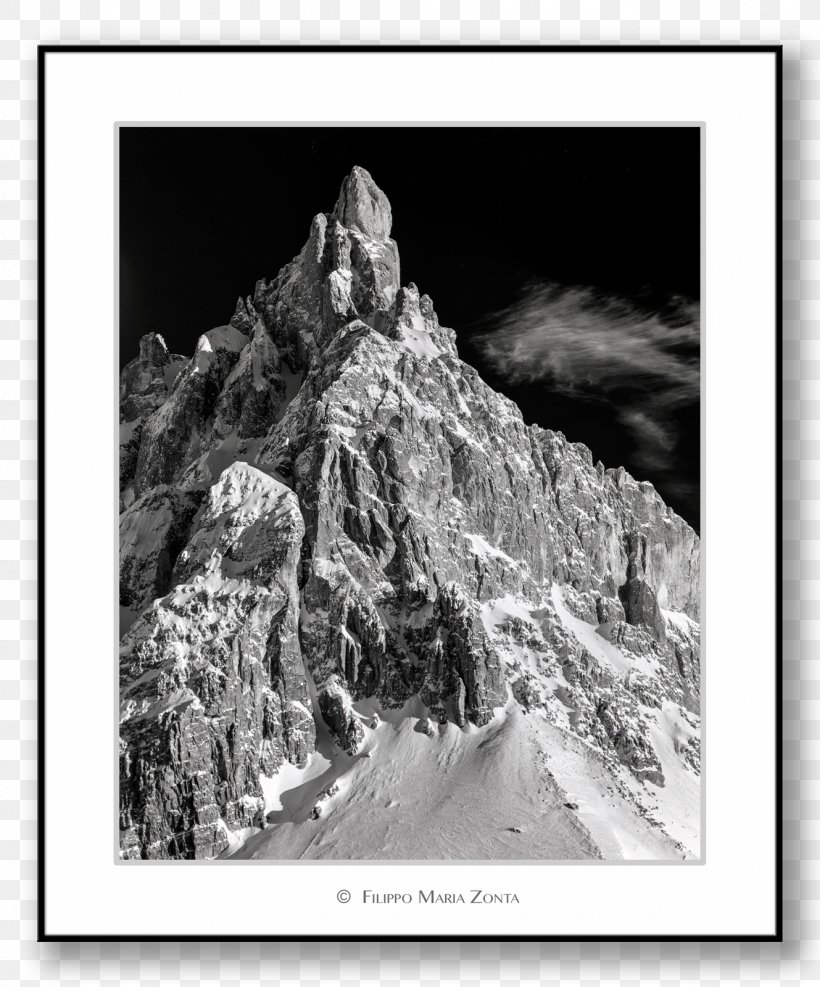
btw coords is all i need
(410, 493)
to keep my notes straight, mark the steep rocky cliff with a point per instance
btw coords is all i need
(328, 517)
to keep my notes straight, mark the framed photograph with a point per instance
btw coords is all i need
(410, 493)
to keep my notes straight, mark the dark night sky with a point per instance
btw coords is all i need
(495, 224)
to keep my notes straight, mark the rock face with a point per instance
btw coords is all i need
(213, 687)
(362, 206)
(622, 527)
(144, 386)
(153, 531)
(326, 492)
(146, 381)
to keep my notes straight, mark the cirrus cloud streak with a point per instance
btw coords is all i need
(644, 365)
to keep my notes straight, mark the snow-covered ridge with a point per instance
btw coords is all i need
(222, 338)
(247, 493)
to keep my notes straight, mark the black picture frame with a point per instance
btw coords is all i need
(43, 934)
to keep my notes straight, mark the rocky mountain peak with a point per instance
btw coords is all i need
(363, 206)
(329, 519)
(153, 349)
(145, 382)
(244, 316)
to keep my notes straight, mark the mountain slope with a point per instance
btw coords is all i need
(330, 517)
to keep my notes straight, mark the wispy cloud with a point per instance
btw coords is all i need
(644, 365)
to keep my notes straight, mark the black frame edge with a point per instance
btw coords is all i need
(42, 936)
(778, 52)
(45, 49)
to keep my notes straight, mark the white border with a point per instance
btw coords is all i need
(732, 893)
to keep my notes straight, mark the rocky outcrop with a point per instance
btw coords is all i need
(145, 383)
(254, 392)
(344, 272)
(244, 316)
(363, 207)
(213, 687)
(464, 678)
(368, 506)
(180, 430)
(606, 518)
(153, 531)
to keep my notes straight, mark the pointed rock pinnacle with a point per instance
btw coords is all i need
(363, 206)
(153, 349)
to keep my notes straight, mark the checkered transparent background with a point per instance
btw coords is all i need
(24, 23)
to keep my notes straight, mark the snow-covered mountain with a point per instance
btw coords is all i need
(368, 612)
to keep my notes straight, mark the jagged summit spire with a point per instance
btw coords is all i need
(154, 349)
(363, 206)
